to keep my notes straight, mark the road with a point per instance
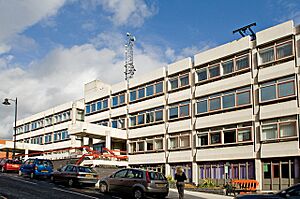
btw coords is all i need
(13, 186)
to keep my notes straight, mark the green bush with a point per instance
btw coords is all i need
(207, 184)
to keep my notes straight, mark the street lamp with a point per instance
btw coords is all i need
(7, 103)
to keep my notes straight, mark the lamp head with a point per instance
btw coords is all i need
(6, 102)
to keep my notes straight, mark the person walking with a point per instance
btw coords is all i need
(180, 177)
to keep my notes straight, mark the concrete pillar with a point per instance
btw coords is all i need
(26, 154)
(108, 141)
(258, 173)
(7, 153)
(195, 174)
(74, 113)
(91, 143)
(168, 170)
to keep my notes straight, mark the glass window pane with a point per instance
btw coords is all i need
(141, 93)
(269, 131)
(174, 83)
(202, 74)
(286, 89)
(159, 144)
(150, 117)
(268, 93)
(173, 143)
(141, 119)
(229, 136)
(215, 104)
(185, 141)
(158, 115)
(203, 140)
(150, 90)
(244, 135)
(132, 96)
(214, 71)
(202, 106)
(215, 138)
(184, 80)
(173, 113)
(150, 145)
(87, 109)
(122, 99)
(285, 170)
(133, 121)
(284, 50)
(287, 129)
(267, 55)
(242, 63)
(93, 108)
(141, 146)
(228, 101)
(114, 124)
(184, 110)
(115, 100)
(105, 103)
(159, 87)
(227, 67)
(243, 98)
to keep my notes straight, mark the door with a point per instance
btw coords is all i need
(117, 181)
(133, 177)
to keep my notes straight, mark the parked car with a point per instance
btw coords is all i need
(292, 192)
(136, 182)
(10, 165)
(75, 175)
(36, 168)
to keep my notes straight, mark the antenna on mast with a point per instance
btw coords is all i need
(129, 67)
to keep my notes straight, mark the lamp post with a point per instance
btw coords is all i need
(7, 103)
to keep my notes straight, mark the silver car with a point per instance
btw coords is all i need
(136, 182)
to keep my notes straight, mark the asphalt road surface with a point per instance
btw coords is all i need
(14, 187)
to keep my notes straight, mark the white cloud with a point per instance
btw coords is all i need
(24, 14)
(124, 12)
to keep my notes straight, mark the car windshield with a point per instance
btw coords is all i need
(156, 176)
(85, 169)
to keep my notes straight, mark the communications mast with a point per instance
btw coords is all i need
(129, 67)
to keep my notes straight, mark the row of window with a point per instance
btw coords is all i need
(179, 81)
(152, 144)
(118, 100)
(223, 68)
(49, 120)
(147, 117)
(225, 100)
(225, 135)
(56, 136)
(179, 141)
(96, 106)
(146, 91)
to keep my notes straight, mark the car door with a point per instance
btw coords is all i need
(133, 177)
(67, 174)
(116, 181)
(59, 174)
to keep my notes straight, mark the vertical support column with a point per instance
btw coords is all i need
(168, 170)
(91, 143)
(26, 154)
(195, 171)
(74, 113)
(258, 173)
(7, 153)
(108, 141)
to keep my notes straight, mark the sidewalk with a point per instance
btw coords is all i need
(203, 195)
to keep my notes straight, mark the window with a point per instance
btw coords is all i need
(179, 81)
(276, 52)
(141, 146)
(185, 141)
(146, 91)
(181, 140)
(159, 87)
(141, 93)
(105, 103)
(280, 88)
(121, 174)
(227, 67)
(230, 99)
(93, 107)
(229, 136)
(122, 99)
(215, 138)
(202, 74)
(132, 147)
(132, 96)
(150, 145)
(118, 100)
(214, 71)
(174, 143)
(147, 117)
(244, 135)
(159, 144)
(146, 144)
(242, 63)
(115, 101)
(87, 109)
(203, 140)
(99, 105)
(279, 128)
(158, 115)
(149, 90)
(179, 110)
(141, 119)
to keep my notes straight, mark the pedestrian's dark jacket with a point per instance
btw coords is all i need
(180, 178)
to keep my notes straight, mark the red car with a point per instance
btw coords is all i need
(10, 165)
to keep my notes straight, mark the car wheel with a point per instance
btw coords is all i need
(103, 187)
(32, 175)
(71, 182)
(138, 193)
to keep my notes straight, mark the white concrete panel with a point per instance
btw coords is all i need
(147, 131)
(180, 156)
(275, 32)
(279, 70)
(115, 112)
(221, 85)
(98, 116)
(61, 126)
(180, 125)
(116, 88)
(58, 145)
(149, 158)
(280, 149)
(179, 96)
(146, 78)
(179, 66)
(278, 109)
(147, 104)
(232, 117)
(80, 104)
(225, 153)
(222, 51)
(95, 90)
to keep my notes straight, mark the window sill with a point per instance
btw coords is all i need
(276, 140)
(273, 101)
(180, 149)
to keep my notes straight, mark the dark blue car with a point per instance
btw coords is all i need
(36, 168)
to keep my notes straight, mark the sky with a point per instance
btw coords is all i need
(49, 49)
